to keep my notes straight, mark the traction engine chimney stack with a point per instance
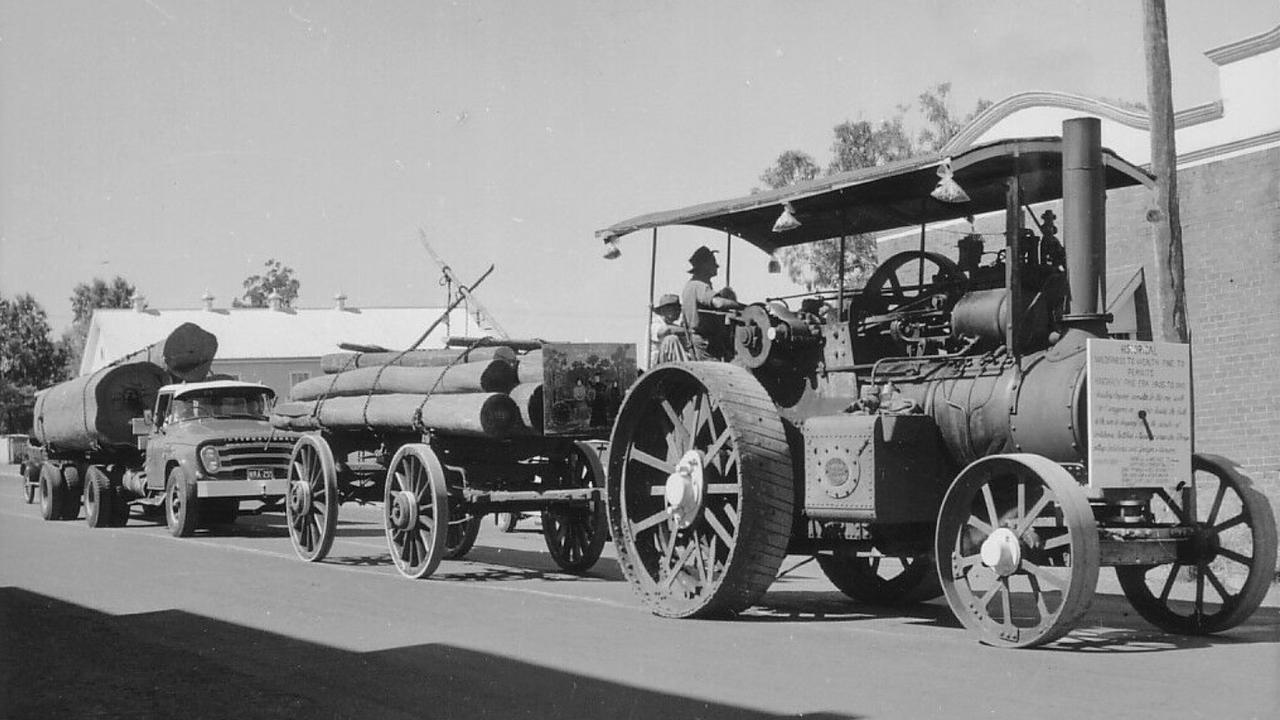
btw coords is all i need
(1085, 223)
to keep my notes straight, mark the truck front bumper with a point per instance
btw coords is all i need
(241, 488)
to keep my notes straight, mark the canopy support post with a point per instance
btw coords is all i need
(728, 257)
(653, 264)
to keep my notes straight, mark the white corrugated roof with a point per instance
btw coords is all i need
(259, 333)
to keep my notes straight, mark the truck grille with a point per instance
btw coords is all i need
(237, 457)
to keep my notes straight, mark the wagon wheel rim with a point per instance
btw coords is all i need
(575, 535)
(699, 490)
(1221, 574)
(416, 511)
(311, 500)
(1017, 550)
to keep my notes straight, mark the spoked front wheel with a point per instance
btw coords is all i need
(1223, 570)
(699, 489)
(1017, 550)
(311, 502)
(416, 510)
(575, 534)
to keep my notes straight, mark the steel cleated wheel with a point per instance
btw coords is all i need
(416, 510)
(575, 534)
(699, 489)
(311, 502)
(100, 498)
(1222, 573)
(882, 580)
(1017, 550)
(181, 506)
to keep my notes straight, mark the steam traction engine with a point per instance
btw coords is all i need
(958, 428)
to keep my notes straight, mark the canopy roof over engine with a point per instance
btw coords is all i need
(886, 197)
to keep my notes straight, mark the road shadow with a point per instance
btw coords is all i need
(66, 661)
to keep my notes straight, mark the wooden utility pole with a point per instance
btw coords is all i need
(1171, 280)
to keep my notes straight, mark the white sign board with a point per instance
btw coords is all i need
(1139, 414)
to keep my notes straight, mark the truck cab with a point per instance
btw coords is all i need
(207, 446)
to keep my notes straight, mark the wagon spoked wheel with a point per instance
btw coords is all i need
(882, 580)
(461, 536)
(311, 501)
(1223, 570)
(575, 534)
(699, 489)
(416, 510)
(1017, 550)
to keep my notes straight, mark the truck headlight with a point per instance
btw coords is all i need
(209, 459)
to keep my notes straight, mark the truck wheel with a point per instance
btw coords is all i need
(51, 491)
(181, 507)
(30, 481)
(73, 490)
(1223, 571)
(700, 489)
(99, 498)
(1017, 550)
(575, 535)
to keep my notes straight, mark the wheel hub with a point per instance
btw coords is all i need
(1002, 552)
(684, 490)
(403, 512)
(299, 497)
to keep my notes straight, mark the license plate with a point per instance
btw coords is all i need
(261, 474)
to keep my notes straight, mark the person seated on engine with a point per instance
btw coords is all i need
(666, 332)
(703, 309)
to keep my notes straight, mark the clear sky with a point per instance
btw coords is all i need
(182, 143)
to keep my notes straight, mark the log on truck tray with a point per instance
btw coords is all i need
(344, 361)
(482, 414)
(96, 410)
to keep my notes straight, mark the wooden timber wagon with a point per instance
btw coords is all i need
(444, 437)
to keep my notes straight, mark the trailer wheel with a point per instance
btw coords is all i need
(1223, 572)
(416, 510)
(575, 535)
(52, 491)
(99, 498)
(461, 537)
(311, 503)
(1017, 550)
(699, 489)
(181, 506)
(30, 481)
(881, 580)
(72, 490)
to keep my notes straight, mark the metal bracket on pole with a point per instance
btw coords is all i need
(462, 289)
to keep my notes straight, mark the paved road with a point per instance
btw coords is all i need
(134, 623)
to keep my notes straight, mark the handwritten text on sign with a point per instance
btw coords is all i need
(1139, 414)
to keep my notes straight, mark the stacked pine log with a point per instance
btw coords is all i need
(94, 412)
(485, 392)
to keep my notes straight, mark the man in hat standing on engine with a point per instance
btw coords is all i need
(704, 309)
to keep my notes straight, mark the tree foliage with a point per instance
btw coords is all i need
(859, 144)
(277, 278)
(29, 360)
(85, 298)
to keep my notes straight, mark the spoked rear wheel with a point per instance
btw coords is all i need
(1223, 571)
(1017, 550)
(575, 534)
(416, 510)
(461, 536)
(699, 489)
(311, 503)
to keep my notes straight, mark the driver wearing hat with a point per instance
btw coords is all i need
(704, 309)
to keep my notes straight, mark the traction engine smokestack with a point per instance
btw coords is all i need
(1085, 223)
